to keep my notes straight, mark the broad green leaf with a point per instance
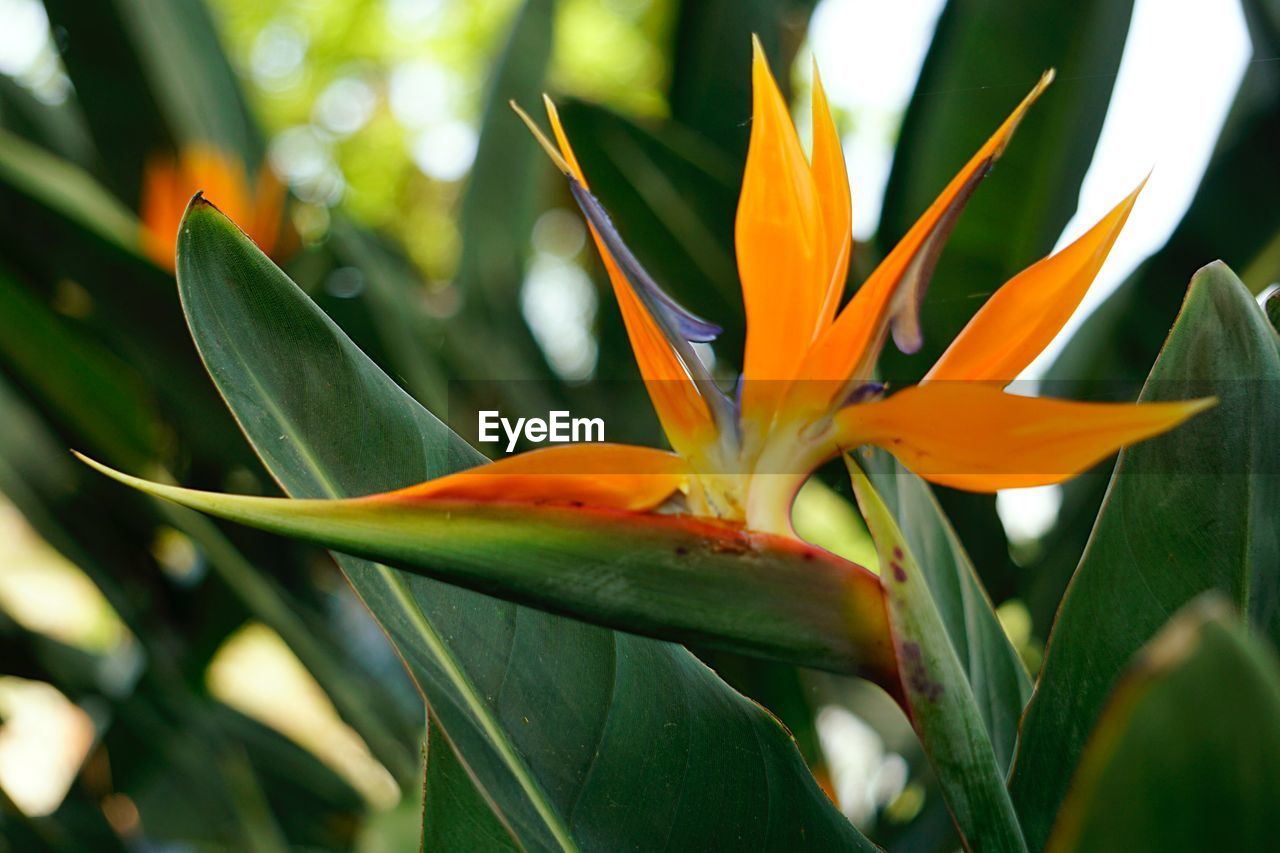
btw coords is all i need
(996, 674)
(1186, 754)
(934, 688)
(576, 735)
(1190, 511)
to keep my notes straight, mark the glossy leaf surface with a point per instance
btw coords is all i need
(1186, 755)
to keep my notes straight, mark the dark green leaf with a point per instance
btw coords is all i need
(1190, 511)
(454, 814)
(710, 90)
(1186, 755)
(500, 204)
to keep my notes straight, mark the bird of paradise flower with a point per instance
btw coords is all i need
(715, 510)
(808, 389)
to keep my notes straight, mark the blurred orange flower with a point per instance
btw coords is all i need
(169, 184)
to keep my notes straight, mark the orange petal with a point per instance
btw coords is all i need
(608, 476)
(978, 438)
(683, 412)
(832, 181)
(781, 246)
(1023, 316)
(891, 294)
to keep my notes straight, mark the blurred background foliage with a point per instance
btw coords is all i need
(169, 679)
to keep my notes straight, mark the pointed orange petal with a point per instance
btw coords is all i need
(684, 415)
(832, 181)
(781, 246)
(978, 438)
(1023, 316)
(892, 293)
(607, 476)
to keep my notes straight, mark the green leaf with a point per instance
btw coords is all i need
(195, 86)
(996, 674)
(111, 89)
(499, 206)
(578, 736)
(454, 814)
(1190, 511)
(934, 688)
(96, 393)
(1186, 754)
